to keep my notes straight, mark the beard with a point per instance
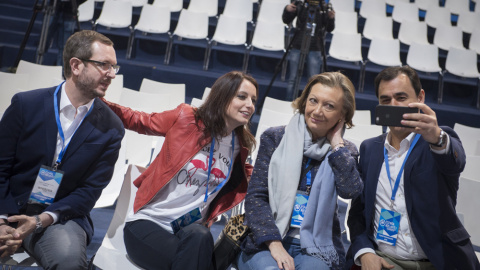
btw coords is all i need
(88, 86)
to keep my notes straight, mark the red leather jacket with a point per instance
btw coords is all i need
(181, 137)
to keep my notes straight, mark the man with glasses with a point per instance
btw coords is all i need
(58, 147)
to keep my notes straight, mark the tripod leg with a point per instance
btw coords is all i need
(36, 8)
(49, 10)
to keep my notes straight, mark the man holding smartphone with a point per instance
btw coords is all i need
(406, 216)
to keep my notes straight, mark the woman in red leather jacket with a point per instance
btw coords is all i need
(200, 173)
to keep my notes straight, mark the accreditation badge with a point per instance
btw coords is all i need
(46, 186)
(299, 208)
(186, 220)
(388, 227)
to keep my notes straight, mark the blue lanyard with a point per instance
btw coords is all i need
(399, 175)
(210, 167)
(59, 126)
(309, 177)
(309, 173)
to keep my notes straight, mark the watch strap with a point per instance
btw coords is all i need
(38, 225)
(442, 139)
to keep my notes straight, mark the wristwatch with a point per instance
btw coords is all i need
(442, 140)
(38, 226)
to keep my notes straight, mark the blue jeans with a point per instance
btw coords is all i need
(61, 27)
(313, 61)
(263, 260)
(59, 246)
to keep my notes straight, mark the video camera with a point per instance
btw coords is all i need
(316, 4)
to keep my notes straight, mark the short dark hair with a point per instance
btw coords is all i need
(391, 73)
(333, 80)
(214, 110)
(80, 45)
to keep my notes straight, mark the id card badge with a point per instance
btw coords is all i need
(186, 220)
(46, 186)
(299, 209)
(388, 226)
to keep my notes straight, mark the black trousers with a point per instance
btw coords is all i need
(152, 247)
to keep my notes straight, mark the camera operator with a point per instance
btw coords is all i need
(62, 24)
(324, 18)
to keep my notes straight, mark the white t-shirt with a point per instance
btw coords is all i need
(186, 190)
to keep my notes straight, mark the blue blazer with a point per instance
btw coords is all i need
(28, 135)
(430, 182)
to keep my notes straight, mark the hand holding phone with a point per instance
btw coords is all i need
(386, 115)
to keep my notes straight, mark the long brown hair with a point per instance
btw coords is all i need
(214, 110)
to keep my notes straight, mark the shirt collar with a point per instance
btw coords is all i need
(65, 101)
(404, 144)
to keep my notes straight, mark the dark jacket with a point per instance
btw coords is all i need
(430, 182)
(302, 14)
(28, 137)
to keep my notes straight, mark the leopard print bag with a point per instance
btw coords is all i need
(228, 242)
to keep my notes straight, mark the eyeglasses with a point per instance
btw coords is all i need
(103, 66)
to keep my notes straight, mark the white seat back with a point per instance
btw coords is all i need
(423, 57)
(469, 137)
(174, 90)
(447, 37)
(385, 52)
(425, 4)
(146, 102)
(112, 253)
(139, 3)
(413, 31)
(474, 43)
(269, 36)
(138, 148)
(462, 62)
(362, 117)
(278, 105)
(86, 11)
(204, 6)
(206, 92)
(116, 14)
(346, 22)
(268, 118)
(468, 21)
(378, 27)
(346, 47)
(468, 204)
(405, 11)
(239, 8)
(343, 6)
(154, 19)
(472, 168)
(112, 190)
(373, 8)
(361, 132)
(196, 102)
(231, 30)
(192, 24)
(10, 85)
(114, 91)
(174, 5)
(272, 10)
(40, 76)
(438, 17)
(457, 6)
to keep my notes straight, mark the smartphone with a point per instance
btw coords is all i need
(386, 115)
